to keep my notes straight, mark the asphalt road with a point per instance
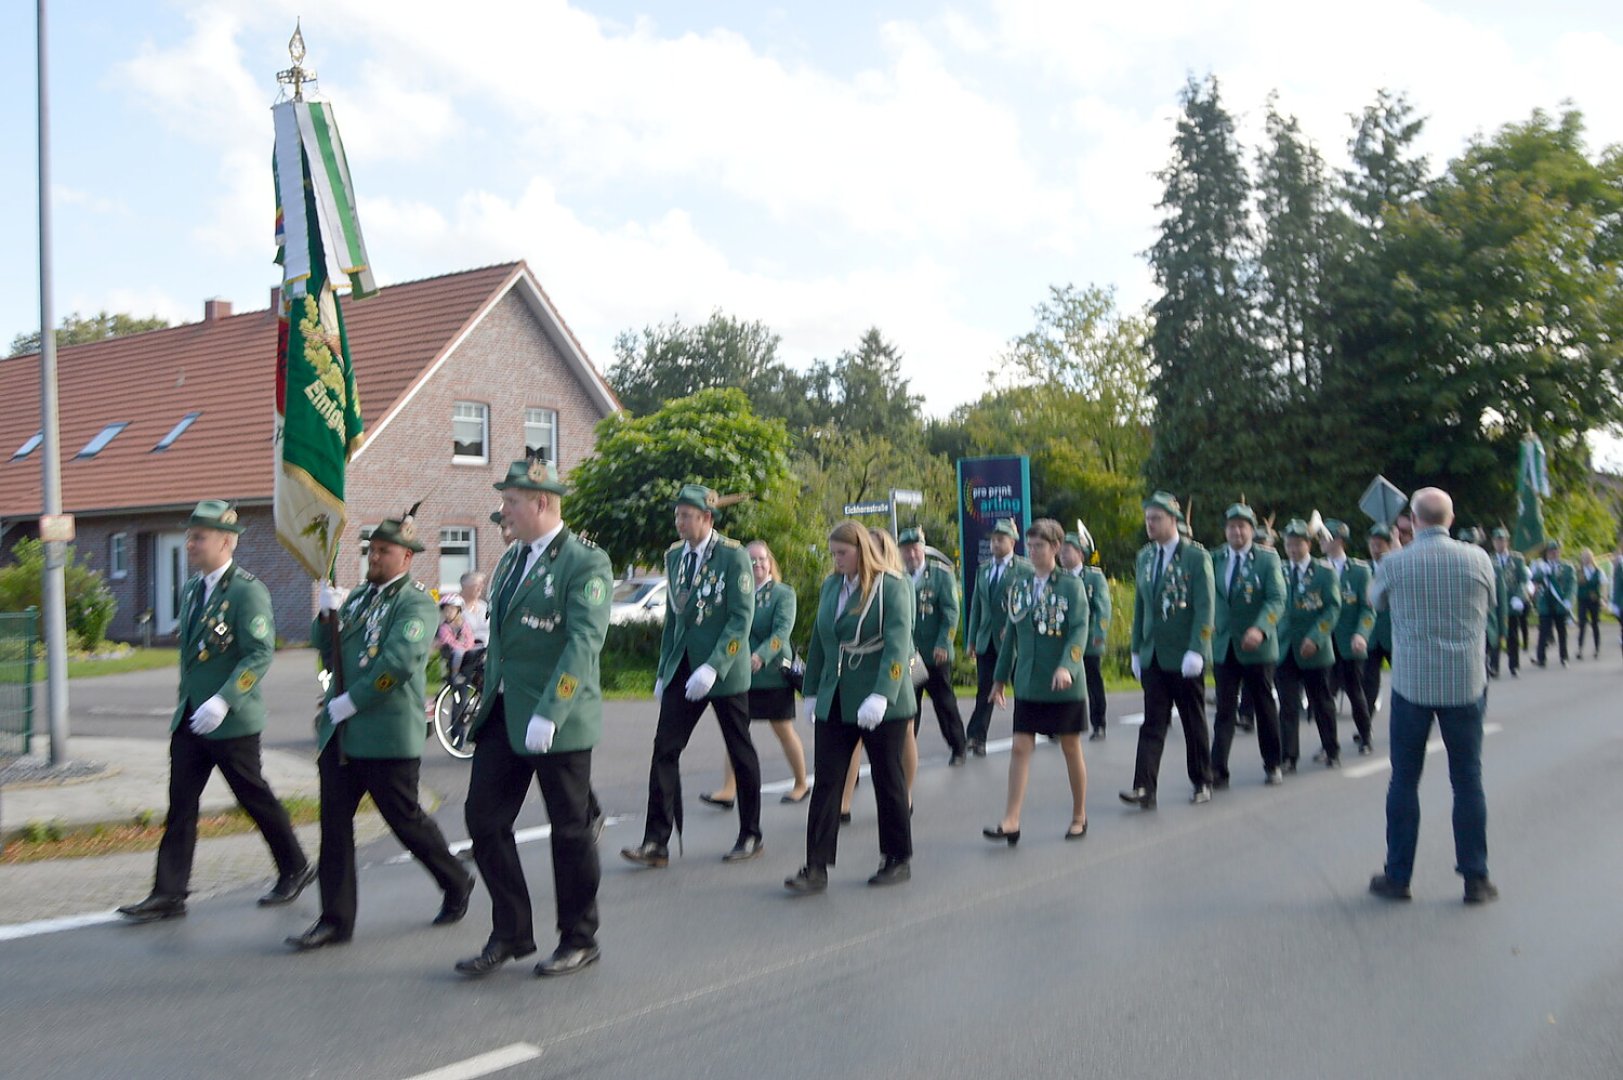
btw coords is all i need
(1234, 939)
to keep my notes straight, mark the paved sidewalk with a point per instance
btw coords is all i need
(136, 779)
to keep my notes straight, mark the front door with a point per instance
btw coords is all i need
(169, 578)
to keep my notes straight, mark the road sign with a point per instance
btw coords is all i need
(862, 509)
(905, 497)
(1383, 501)
(56, 528)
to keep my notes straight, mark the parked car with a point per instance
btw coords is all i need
(639, 599)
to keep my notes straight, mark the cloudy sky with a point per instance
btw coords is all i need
(929, 168)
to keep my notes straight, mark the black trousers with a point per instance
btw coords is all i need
(392, 783)
(980, 720)
(835, 743)
(1589, 614)
(1095, 677)
(1518, 626)
(947, 716)
(1372, 673)
(1259, 679)
(1349, 671)
(1163, 690)
(496, 791)
(677, 718)
(1548, 625)
(1512, 646)
(1290, 681)
(191, 759)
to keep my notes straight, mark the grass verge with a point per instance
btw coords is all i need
(42, 840)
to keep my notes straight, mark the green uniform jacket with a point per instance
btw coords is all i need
(1043, 636)
(1617, 583)
(545, 652)
(987, 614)
(709, 621)
(1357, 613)
(935, 616)
(1257, 600)
(383, 645)
(1098, 590)
(774, 621)
(1511, 581)
(1589, 588)
(1565, 581)
(226, 651)
(861, 653)
(1311, 610)
(1176, 616)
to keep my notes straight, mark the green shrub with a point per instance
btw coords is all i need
(90, 604)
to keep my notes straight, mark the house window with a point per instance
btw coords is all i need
(541, 433)
(118, 555)
(366, 542)
(470, 433)
(456, 557)
(30, 446)
(103, 437)
(176, 432)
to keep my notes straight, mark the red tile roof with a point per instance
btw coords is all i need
(224, 369)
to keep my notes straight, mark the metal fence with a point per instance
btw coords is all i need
(19, 658)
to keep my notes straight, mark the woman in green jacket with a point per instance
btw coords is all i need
(858, 691)
(771, 696)
(1043, 659)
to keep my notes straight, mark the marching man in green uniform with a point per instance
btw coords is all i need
(1076, 557)
(1307, 647)
(370, 730)
(1172, 647)
(1250, 598)
(704, 659)
(935, 620)
(1617, 592)
(227, 640)
(540, 717)
(983, 635)
(1511, 571)
(1353, 626)
(1556, 584)
(1380, 638)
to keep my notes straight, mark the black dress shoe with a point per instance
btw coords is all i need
(1365, 749)
(154, 908)
(495, 954)
(1012, 837)
(1203, 794)
(288, 887)
(1097, 736)
(1333, 762)
(1320, 757)
(789, 797)
(845, 817)
(1220, 784)
(1479, 890)
(596, 826)
(647, 853)
(1138, 797)
(1387, 889)
(892, 872)
(567, 961)
(455, 905)
(710, 800)
(1273, 777)
(1069, 835)
(810, 879)
(1288, 765)
(318, 936)
(750, 847)
(958, 758)
(978, 748)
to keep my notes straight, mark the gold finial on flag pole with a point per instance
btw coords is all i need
(296, 76)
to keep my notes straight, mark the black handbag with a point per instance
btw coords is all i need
(794, 673)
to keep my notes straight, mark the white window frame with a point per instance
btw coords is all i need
(483, 417)
(470, 539)
(118, 556)
(531, 419)
(365, 542)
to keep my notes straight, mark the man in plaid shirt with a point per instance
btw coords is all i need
(1439, 592)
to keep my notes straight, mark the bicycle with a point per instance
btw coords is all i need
(456, 705)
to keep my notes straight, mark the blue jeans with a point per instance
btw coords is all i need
(1461, 729)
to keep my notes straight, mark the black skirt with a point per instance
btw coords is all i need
(772, 703)
(1050, 717)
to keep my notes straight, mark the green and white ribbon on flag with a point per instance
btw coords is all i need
(318, 410)
(1532, 485)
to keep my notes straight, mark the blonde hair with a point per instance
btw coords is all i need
(771, 559)
(890, 556)
(869, 564)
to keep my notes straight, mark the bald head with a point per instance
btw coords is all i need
(1432, 507)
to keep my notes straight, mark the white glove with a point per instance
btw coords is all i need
(332, 598)
(538, 736)
(1517, 605)
(872, 711)
(811, 708)
(1193, 664)
(700, 682)
(659, 689)
(1138, 670)
(340, 708)
(209, 715)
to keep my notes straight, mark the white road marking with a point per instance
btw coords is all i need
(53, 926)
(1133, 719)
(483, 1064)
(1380, 765)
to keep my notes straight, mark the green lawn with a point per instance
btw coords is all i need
(138, 660)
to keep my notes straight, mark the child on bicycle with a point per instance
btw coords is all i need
(454, 638)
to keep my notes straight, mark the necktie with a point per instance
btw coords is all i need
(1296, 578)
(198, 603)
(690, 565)
(510, 586)
(1234, 572)
(997, 572)
(1160, 558)
(1037, 590)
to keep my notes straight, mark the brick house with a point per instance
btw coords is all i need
(458, 375)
